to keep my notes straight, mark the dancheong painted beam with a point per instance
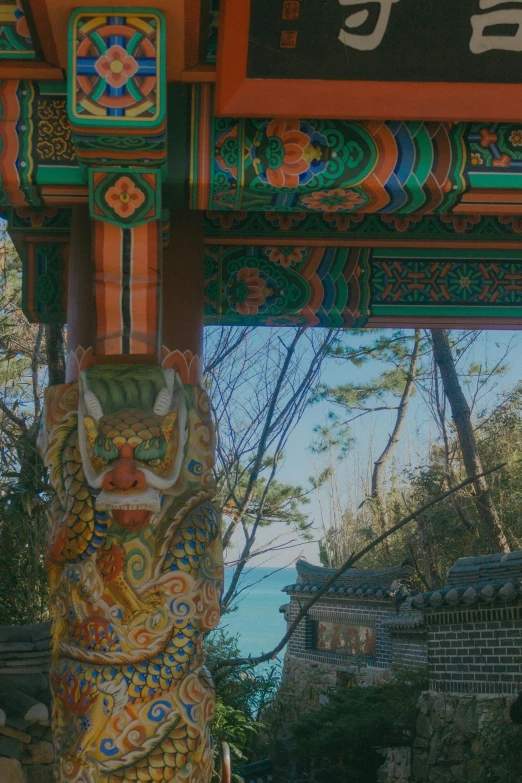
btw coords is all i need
(145, 204)
(324, 167)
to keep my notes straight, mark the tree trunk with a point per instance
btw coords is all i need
(461, 414)
(427, 558)
(54, 345)
(380, 464)
(457, 501)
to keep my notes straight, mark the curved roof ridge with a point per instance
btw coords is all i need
(485, 568)
(387, 577)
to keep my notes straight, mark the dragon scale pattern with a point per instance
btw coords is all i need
(132, 602)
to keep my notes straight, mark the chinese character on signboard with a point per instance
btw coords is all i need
(503, 17)
(357, 19)
(356, 640)
(352, 34)
(364, 59)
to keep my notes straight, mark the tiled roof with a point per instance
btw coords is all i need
(475, 580)
(486, 568)
(404, 622)
(484, 592)
(359, 591)
(408, 618)
(390, 578)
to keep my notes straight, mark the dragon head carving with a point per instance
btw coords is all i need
(136, 569)
(132, 429)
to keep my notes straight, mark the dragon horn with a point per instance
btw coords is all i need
(92, 403)
(164, 397)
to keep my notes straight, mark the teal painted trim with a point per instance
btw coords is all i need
(52, 88)
(18, 56)
(457, 311)
(495, 179)
(59, 175)
(95, 122)
(240, 161)
(460, 254)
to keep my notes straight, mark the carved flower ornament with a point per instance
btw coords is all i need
(124, 197)
(116, 66)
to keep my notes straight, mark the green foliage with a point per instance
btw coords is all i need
(391, 353)
(23, 530)
(277, 503)
(338, 742)
(233, 726)
(241, 699)
(498, 753)
(437, 538)
(24, 490)
(452, 528)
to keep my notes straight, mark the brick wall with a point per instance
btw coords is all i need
(334, 610)
(476, 650)
(409, 648)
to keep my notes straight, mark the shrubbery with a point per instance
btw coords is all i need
(339, 741)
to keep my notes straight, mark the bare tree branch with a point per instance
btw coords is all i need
(18, 420)
(255, 661)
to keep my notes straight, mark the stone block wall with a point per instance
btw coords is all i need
(475, 649)
(450, 732)
(26, 751)
(26, 756)
(397, 767)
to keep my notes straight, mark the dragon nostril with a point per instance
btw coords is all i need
(134, 484)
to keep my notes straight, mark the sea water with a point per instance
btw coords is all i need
(256, 619)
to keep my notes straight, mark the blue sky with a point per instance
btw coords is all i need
(370, 436)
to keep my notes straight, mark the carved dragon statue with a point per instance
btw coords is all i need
(136, 574)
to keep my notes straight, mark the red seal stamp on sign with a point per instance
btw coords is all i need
(291, 9)
(288, 39)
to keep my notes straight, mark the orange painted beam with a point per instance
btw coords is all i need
(465, 321)
(30, 69)
(204, 72)
(41, 21)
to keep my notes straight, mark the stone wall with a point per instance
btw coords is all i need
(26, 756)
(26, 751)
(450, 733)
(397, 767)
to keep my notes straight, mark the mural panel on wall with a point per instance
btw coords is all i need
(345, 639)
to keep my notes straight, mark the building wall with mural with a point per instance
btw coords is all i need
(347, 632)
(468, 633)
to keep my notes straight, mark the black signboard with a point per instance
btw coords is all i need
(441, 60)
(386, 40)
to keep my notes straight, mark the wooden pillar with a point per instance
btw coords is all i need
(183, 291)
(80, 322)
(129, 443)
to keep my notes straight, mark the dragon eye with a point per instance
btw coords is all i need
(154, 462)
(103, 460)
